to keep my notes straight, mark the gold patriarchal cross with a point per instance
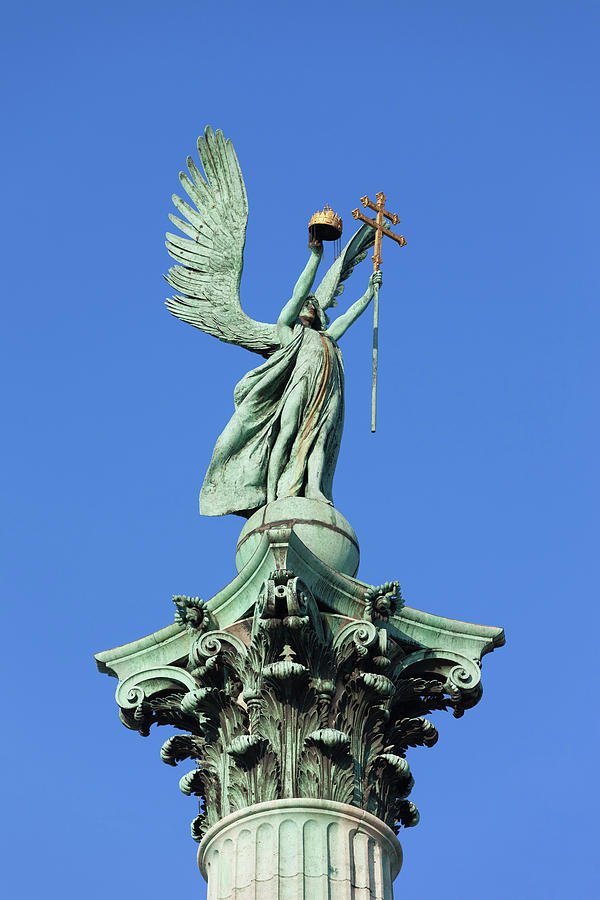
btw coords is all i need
(380, 230)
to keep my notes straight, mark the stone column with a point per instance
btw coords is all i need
(298, 848)
(300, 691)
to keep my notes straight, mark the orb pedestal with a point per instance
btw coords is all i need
(319, 526)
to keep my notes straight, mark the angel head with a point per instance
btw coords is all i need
(312, 316)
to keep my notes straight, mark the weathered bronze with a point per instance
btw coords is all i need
(297, 680)
(299, 689)
(284, 435)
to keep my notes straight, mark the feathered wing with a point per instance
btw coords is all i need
(353, 253)
(211, 258)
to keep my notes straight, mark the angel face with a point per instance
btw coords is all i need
(312, 316)
(308, 315)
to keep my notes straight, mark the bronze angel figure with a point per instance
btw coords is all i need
(284, 435)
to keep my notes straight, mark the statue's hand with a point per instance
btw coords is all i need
(375, 280)
(315, 244)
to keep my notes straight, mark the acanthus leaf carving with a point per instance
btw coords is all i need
(179, 747)
(291, 708)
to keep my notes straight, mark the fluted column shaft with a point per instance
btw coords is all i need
(298, 849)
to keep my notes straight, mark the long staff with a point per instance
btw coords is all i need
(380, 229)
(375, 351)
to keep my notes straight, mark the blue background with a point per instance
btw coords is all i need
(479, 490)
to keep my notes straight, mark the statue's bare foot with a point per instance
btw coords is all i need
(318, 495)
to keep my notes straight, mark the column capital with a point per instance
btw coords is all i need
(318, 689)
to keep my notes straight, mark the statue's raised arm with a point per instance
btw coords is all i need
(290, 314)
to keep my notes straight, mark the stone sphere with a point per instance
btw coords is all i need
(319, 526)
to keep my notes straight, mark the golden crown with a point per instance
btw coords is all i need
(326, 224)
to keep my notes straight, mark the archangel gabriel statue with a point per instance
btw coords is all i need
(284, 435)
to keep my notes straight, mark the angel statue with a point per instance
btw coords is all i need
(284, 435)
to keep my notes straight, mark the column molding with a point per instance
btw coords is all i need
(297, 848)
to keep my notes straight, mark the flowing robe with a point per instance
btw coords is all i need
(306, 378)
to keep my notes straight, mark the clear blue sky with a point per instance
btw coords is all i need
(479, 490)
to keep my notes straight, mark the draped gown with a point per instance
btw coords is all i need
(306, 378)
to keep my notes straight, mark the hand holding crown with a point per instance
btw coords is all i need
(324, 226)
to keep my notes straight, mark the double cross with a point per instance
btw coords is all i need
(380, 230)
(377, 224)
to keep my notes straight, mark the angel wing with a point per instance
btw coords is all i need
(353, 253)
(212, 259)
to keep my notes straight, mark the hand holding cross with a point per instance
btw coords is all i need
(380, 229)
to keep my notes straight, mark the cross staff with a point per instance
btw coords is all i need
(380, 230)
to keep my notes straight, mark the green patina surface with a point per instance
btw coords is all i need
(284, 435)
(296, 680)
